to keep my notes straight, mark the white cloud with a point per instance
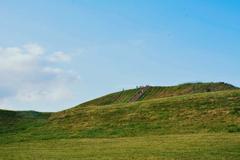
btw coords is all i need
(59, 57)
(37, 94)
(28, 76)
(16, 59)
(52, 70)
(34, 49)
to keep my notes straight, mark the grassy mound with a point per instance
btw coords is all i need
(153, 92)
(17, 121)
(203, 112)
(183, 109)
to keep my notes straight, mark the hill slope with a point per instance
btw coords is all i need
(194, 113)
(158, 112)
(18, 121)
(152, 92)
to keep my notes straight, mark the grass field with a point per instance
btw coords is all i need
(185, 147)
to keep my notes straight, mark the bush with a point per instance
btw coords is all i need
(233, 128)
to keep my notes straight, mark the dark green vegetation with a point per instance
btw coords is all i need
(204, 113)
(11, 121)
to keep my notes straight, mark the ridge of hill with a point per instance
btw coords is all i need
(153, 92)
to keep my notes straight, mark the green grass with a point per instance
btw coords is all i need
(189, 121)
(166, 147)
(204, 112)
(17, 121)
(215, 112)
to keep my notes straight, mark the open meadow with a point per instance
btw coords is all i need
(170, 147)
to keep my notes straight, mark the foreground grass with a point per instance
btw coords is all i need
(170, 147)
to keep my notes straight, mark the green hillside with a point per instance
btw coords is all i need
(18, 125)
(12, 121)
(181, 109)
(193, 113)
(152, 92)
(189, 121)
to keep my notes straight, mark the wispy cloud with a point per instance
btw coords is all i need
(59, 56)
(27, 75)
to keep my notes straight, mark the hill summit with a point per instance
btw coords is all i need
(152, 92)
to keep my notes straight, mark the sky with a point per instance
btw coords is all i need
(59, 53)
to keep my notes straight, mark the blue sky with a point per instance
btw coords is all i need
(57, 54)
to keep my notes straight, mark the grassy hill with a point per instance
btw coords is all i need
(179, 122)
(17, 121)
(193, 113)
(187, 108)
(153, 92)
